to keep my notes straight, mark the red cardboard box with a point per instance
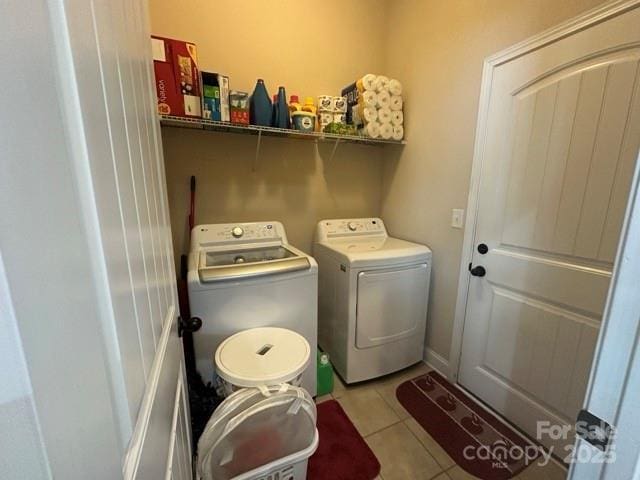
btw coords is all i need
(175, 64)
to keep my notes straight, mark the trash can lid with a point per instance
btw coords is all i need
(262, 356)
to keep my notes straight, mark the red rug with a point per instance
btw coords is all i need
(473, 437)
(342, 453)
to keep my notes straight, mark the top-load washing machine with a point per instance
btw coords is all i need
(246, 275)
(373, 293)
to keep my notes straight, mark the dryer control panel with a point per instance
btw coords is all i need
(350, 227)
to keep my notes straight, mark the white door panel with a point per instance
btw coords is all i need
(536, 347)
(130, 208)
(109, 46)
(555, 279)
(151, 443)
(179, 447)
(561, 138)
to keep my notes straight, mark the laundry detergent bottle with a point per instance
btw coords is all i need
(282, 119)
(260, 106)
(274, 111)
(294, 104)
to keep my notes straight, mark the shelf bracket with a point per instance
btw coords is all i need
(255, 160)
(333, 152)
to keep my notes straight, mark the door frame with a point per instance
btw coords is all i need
(588, 19)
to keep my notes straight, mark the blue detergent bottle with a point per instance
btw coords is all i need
(282, 118)
(260, 106)
(274, 111)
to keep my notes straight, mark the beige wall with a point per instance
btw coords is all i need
(437, 48)
(311, 48)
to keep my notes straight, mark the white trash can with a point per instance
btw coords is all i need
(261, 357)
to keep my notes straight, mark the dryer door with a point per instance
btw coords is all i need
(392, 304)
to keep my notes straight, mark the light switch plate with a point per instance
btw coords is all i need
(457, 218)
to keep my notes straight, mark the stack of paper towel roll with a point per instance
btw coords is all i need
(375, 106)
(331, 109)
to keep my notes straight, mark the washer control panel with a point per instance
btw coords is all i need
(350, 227)
(226, 233)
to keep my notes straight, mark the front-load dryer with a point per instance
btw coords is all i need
(246, 275)
(372, 297)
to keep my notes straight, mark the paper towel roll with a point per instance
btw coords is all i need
(386, 131)
(372, 130)
(326, 102)
(340, 104)
(324, 116)
(383, 99)
(382, 83)
(384, 115)
(395, 102)
(397, 117)
(339, 117)
(362, 115)
(366, 83)
(324, 119)
(398, 132)
(395, 87)
(369, 114)
(369, 98)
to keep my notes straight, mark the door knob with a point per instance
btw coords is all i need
(193, 324)
(478, 271)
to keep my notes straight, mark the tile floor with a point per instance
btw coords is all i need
(404, 449)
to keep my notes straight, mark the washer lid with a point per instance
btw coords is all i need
(223, 265)
(262, 356)
(377, 251)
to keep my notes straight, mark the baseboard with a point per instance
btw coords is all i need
(437, 362)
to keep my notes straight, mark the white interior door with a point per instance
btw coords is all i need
(87, 288)
(561, 137)
(107, 52)
(612, 394)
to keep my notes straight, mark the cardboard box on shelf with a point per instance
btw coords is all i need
(175, 64)
(215, 97)
(351, 94)
(239, 107)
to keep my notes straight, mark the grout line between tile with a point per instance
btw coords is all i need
(427, 450)
(437, 474)
(381, 429)
(442, 470)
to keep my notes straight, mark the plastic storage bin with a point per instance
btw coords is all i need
(263, 433)
(261, 356)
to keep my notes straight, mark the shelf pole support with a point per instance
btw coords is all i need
(333, 152)
(255, 160)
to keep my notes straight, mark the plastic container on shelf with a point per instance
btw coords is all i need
(282, 118)
(261, 356)
(303, 121)
(260, 105)
(294, 104)
(274, 109)
(260, 433)
(309, 106)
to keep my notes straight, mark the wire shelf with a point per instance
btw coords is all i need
(212, 125)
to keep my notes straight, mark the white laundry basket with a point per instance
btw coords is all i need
(261, 356)
(265, 433)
